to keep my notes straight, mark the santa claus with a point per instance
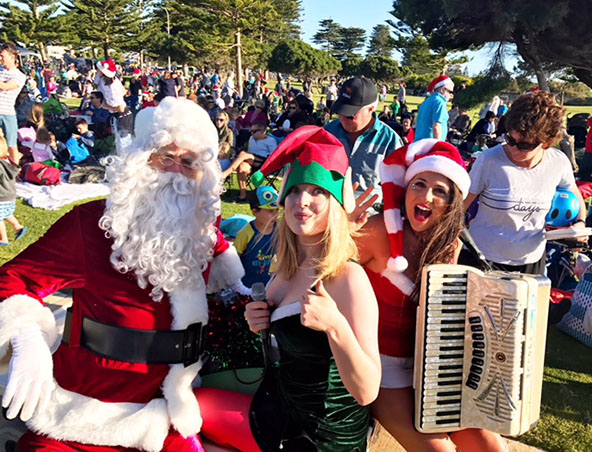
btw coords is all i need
(138, 265)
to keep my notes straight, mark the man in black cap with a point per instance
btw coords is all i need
(367, 140)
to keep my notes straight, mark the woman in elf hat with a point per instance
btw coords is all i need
(423, 185)
(322, 311)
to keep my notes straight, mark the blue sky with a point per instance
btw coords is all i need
(364, 14)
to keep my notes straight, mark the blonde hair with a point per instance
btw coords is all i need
(36, 115)
(338, 246)
(3, 148)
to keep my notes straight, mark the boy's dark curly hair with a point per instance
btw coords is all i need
(537, 117)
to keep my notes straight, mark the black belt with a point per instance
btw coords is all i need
(140, 346)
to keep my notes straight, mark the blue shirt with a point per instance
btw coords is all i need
(369, 150)
(432, 110)
(256, 254)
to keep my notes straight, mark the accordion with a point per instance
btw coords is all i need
(480, 350)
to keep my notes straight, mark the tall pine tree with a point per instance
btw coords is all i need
(381, 42)
(32, 22)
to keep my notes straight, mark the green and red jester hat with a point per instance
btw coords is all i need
(315, 157)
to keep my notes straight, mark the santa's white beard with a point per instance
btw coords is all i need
(162, 223)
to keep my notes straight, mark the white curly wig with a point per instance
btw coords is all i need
(162, 223)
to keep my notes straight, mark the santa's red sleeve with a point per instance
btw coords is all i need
(226, 268)
(52, 263)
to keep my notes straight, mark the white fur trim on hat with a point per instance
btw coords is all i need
(441, 165)
(393, 221)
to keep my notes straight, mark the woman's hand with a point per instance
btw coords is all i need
(359, 216)
(257, 315)
(319, 311)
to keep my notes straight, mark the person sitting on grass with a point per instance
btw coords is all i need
(8, 173)
(254, 242)
(260, 147)
(41, 148)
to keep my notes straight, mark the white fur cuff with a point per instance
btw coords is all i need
(226, 270)
(19, 311)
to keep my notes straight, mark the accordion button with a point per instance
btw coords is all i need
(476, 370)
(478, 336)
(479, 353)
(477, 361)
(474, 319)
(472, 384)
(478, 344)
(474, 377)
(476, 328)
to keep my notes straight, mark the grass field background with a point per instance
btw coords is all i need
(566, 414)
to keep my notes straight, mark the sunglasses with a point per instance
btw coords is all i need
(521, 145)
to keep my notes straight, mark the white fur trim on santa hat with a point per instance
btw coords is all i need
(441, 165)
(18, 311)
(225, 271)
(392, 173)
(393, 220)
(75, 417)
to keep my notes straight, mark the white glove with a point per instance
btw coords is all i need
(240, 288)
(30, 378)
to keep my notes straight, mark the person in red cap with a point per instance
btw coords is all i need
(432, 117)
(427, 181)
(134, 100)
(323, 315)
(113, 93)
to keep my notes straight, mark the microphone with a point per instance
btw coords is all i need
(258, 293)
(467, 239)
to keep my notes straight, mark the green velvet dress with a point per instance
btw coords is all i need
(305, 406)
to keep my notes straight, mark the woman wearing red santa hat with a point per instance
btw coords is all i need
(113, 92)
(322, 312)
(423, 185)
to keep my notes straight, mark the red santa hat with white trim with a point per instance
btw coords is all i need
(442, 80)
(403, 165)
(107, 67)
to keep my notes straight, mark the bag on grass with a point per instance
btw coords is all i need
(40, 174)
(578, 321)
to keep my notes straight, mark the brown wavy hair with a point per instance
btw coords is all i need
(537, 117)
(11, 48)
(440, 241)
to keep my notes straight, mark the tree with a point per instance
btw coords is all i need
(381, 42)
(299, 58)
(380, 68)
(544, 31)
(351, 41)
(107, 23)
(32, 22)
(328, 35)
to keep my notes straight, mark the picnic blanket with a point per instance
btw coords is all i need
(53, 197)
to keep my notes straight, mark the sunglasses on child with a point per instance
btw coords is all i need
(521, 145)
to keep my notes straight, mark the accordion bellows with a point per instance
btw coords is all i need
(480, 349)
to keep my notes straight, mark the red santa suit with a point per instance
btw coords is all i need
(100, 401)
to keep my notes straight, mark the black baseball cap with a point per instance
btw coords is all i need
(355, 93)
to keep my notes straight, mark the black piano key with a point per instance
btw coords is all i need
(452, 330)
(474, 377)
(449, 393)
(453, 311)
(478, 336)
(479, 353)
(447, 421)
(459, 321)
(472, 384)
(448, 402)
(476, 328)
(455, 356)
(473, 320)
(450, 375)
(448, 413)
(450, 366)
(477, 361)
(445, 302)
(476, 369)
(478, 344)
(449, 383)
(451, 348)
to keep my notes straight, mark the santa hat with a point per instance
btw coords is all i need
(316, 157)
(137, 71)
(107, 67)
(440, 81)
(403, 165)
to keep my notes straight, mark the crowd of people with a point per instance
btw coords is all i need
(368, 201)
